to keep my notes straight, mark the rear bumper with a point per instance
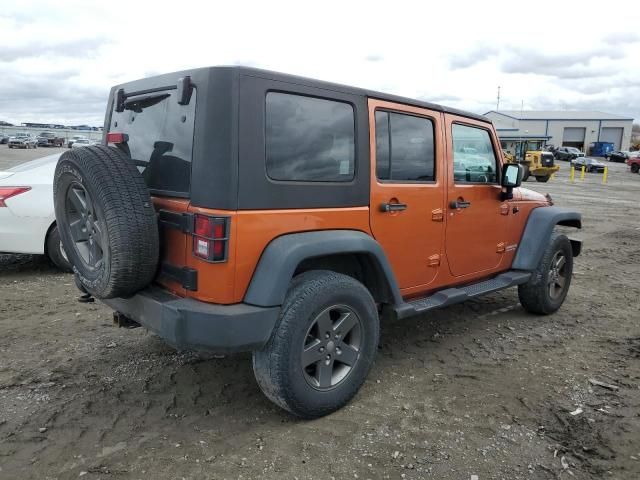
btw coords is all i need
(189, 324)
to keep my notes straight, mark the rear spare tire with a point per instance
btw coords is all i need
(106, 221)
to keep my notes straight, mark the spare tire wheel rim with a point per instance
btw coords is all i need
(84, 226)
(557, 275)
(332, 347)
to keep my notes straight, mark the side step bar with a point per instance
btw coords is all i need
(451, 296)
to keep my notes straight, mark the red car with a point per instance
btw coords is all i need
(634, 164)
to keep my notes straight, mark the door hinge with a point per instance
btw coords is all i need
(501, 247)
(434, 260)
(176, 220)
(437, 215)
(504, 209)
(185, 276)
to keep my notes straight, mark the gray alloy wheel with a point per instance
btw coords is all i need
(83, 224)
(557, 275)
(332, 346)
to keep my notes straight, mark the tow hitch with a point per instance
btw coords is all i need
(122, 321)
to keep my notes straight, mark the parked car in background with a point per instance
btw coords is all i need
(617, 156)
(74, 139)
(27, 220)
(634, 164)
(49, 139)
(567, 153)
(82, 142)
(590, 164)
(23, 140)
(4, 139)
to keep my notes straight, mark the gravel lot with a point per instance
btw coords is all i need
(481, 388)
(10, 157)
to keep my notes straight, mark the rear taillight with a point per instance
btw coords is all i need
(8, 192)
(116, 138)
(210, 237)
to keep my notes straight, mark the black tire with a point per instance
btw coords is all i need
(526, 173)
(635, 168)
(114, 246)
(543, 178)
(279, 367)
(55, 251)
(537, 296)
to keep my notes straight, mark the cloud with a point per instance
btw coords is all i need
(81, 47)
(59, 59)
(471, 57)
(584, 64)
(374, 58)
(621, 38)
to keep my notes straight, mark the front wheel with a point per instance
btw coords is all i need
(322, 347)
(635, 168)
(543, 178)
(549, 284)
(525, 173)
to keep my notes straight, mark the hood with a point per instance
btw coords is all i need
(5, 174)
(525, 194)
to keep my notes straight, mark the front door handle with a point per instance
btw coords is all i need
(393, 207)
(460, 203)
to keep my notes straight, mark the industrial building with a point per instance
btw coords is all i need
(531, 130)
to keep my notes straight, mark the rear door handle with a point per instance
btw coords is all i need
(460, 203)
(393, 207)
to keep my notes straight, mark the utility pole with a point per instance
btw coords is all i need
(498, 102)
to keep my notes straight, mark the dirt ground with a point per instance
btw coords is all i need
(479, 389)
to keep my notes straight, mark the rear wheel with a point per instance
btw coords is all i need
(526, 173)
(55, 250)
(635, 168)
(322, 347)
(548, 287)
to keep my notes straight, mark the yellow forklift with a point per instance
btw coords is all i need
(537, 163)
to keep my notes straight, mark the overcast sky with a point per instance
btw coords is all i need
(59, 58)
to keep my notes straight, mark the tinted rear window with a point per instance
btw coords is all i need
(309, 139)
(160, 139)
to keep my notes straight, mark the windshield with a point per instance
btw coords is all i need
(573, 150)
(160, 132)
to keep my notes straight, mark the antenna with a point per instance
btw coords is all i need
(498, 101)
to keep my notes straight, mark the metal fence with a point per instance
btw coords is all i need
(66, 133)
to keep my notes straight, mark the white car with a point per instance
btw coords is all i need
(82, 142)
(27, 220)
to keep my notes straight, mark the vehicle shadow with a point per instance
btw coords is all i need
(23, 263)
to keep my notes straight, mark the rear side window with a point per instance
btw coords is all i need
(404, 148)
(474, 160)
(160, 141)
(309, 139)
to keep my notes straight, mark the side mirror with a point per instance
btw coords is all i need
(512, 175)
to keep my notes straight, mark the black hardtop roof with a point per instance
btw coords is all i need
(310, 82)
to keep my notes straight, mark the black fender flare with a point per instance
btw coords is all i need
(283, 254)
(540, 225)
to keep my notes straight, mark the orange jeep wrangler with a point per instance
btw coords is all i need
(233, 209)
